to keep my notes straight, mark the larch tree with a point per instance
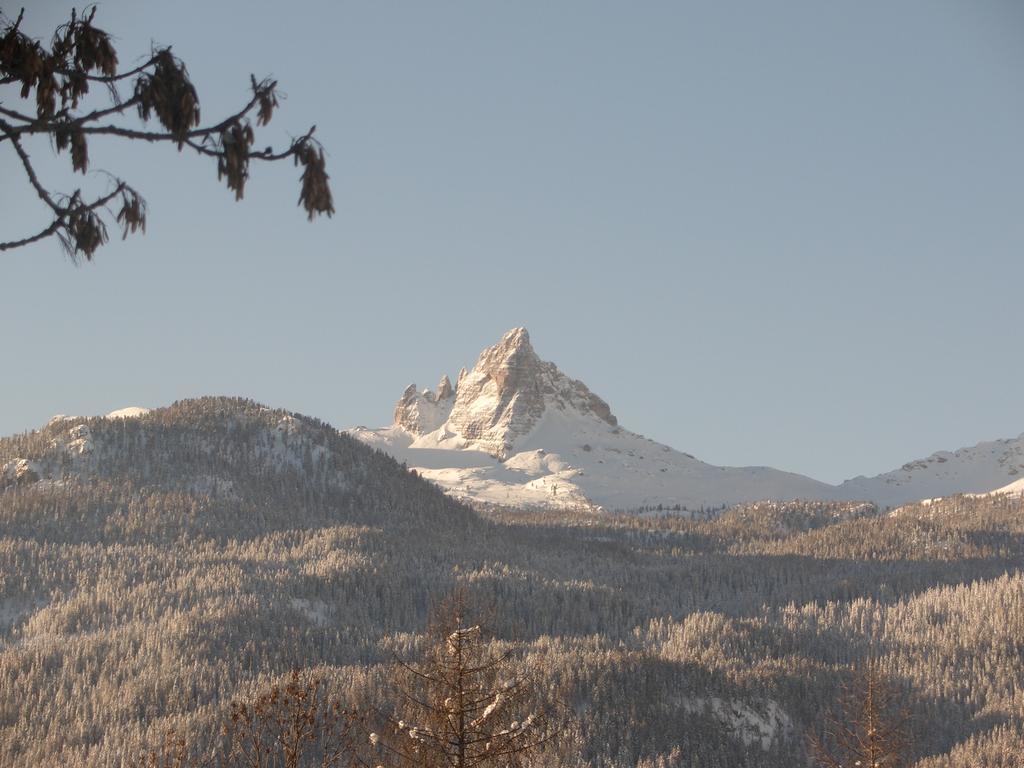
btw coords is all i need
(464, 704)
(43, 93)
(869, 729)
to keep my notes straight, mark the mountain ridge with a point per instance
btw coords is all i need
(181, 449)
(516, 430)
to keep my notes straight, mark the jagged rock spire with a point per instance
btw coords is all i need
(501, 399)
(423, 412)
(444, 388)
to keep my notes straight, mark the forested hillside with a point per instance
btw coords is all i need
(153, 569)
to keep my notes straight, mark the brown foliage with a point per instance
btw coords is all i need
(80, 55)
(293, 725)
(290, 726)
(173, 752)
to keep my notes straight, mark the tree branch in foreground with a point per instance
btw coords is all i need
(56, 79)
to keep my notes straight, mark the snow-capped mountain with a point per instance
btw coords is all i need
(981, 468)
(516, 430)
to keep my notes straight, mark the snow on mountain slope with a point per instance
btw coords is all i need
(518, 431)
(79, 448)
(978, 469)
(1016, 488)
(131, 412)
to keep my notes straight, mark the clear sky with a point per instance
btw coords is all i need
(781, 233)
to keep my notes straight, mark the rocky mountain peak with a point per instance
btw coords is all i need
(500, 400)
(511, 364)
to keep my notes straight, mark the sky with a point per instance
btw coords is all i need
(786, 234)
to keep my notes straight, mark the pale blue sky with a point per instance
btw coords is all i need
(767, 233)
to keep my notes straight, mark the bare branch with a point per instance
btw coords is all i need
(26, 163)
(42, 235)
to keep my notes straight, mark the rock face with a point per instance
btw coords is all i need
(500, 400)
(507, 392)
(19, 472)
(423, 412)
